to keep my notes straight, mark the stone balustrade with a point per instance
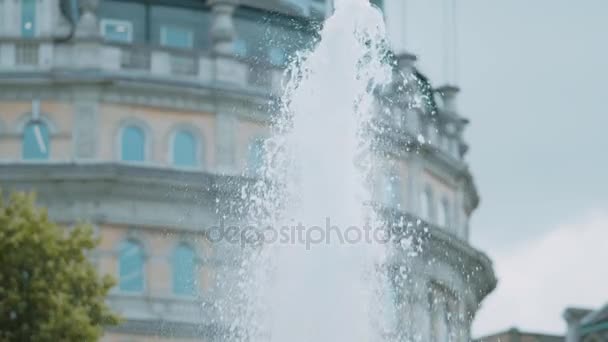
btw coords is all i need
(19, 55)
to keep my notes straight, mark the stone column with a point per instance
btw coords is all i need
(421, 314)
(406, 62)
(414, 184)
(227, 70)
(86, 122)
(225, 126)
(223, 32)
(60, 25)
(573, 319)
(448, 94)
(87, 26)
(87, 50)
(458, 210)
(465, 320)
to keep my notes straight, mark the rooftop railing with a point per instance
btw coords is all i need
(18, 55)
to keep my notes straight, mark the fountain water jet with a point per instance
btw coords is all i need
(318, 168)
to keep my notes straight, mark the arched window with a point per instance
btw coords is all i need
(184, 270)
(427, 204)
(443, 214)
(392, 190)
(36, 144)
(131, 266)
(255, 157)
(133, 144)
(184, 149)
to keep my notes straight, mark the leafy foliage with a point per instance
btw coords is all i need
(49, 289)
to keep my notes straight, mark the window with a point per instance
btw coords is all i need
(133, 144)
(117, 30)
(176, 37)
(28, 18)
(184, 149)
(131, 267)
(443, 214)
(133, 15)
(184, 27)
(184, 270)
(255, 158)
(36, 144)
(392, 190)
(426, 204)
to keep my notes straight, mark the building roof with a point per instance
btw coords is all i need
(597, 316)
(515, 335)
(595, 322)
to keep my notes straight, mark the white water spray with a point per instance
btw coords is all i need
(318, 167)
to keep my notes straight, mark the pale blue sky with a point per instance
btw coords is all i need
(534, 76)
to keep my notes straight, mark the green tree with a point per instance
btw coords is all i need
(49, 289)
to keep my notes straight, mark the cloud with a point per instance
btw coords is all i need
(538, 280)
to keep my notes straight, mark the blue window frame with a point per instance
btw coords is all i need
(255, 157)
(133, 144)
(36, 143)
(117, 30)
(28, 18)
(184, 149)
(184, 271)
(176, 37)
(131, 267)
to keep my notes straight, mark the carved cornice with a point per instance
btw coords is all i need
(170, 329)
(435, 245)
(160, 92)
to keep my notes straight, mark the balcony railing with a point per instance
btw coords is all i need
(135, 59)
(141, 61)
(191, 310)
(27, 54)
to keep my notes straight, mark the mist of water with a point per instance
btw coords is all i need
(319, 166)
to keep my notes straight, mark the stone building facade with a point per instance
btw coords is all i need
(516, 335)
(586, 325)
(144, 117)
